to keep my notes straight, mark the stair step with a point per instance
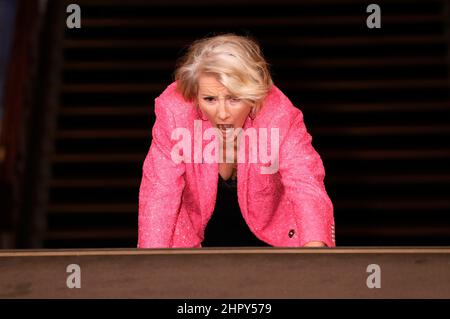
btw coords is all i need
(329, 154)
(291, 41)
(347, 179)
(97, 158)
(384, 130)
(289, 63)
(382, 204)
(367, 84)
(111, 88)
(169, 4)
(341, 131)
(255, 21)
(293, 85)
(390, 107)
(386, 154)
(392, 231)
(96, 134)
(96, 110)
(123, 65)
(82, 234)
(93, 208)
(94, 182)
(390, 179)
(360, 204)
(344, 62)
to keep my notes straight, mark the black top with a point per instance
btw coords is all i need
(227, 227)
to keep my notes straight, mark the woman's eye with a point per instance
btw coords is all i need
(209, 99)
(235, 100)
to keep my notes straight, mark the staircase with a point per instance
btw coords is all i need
(375, 101)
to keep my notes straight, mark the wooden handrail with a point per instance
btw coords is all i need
(404, 272)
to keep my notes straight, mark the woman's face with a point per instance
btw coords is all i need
(220, 107)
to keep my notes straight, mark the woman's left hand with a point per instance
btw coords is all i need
(315, 244)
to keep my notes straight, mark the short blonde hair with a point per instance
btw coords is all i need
(236, 61)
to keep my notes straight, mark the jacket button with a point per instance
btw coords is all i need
(291, 233)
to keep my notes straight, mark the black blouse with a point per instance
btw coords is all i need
(227, 227)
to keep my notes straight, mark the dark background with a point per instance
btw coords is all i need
(78, 111)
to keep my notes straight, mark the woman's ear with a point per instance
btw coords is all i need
(253, 110)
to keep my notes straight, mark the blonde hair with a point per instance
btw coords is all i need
(236, 61)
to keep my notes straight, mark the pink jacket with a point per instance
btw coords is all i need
(287, 209)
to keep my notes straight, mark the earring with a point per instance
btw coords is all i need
(252, 113)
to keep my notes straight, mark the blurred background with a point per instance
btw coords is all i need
(76, 110)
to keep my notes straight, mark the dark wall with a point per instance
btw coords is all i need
(7, 14)
(376, 102)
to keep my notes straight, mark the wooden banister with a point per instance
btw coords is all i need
(227, 273)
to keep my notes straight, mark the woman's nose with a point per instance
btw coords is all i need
(222, 112)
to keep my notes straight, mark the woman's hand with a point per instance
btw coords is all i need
(315, 244)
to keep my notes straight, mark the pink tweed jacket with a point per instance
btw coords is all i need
(286, 209)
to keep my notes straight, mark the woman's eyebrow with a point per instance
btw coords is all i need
(212, 95)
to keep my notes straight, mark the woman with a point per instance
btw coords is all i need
(223, 188)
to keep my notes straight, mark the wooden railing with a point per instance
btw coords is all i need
(376, 272)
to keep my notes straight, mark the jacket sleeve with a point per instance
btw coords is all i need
(302, 174)
(161, 186)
